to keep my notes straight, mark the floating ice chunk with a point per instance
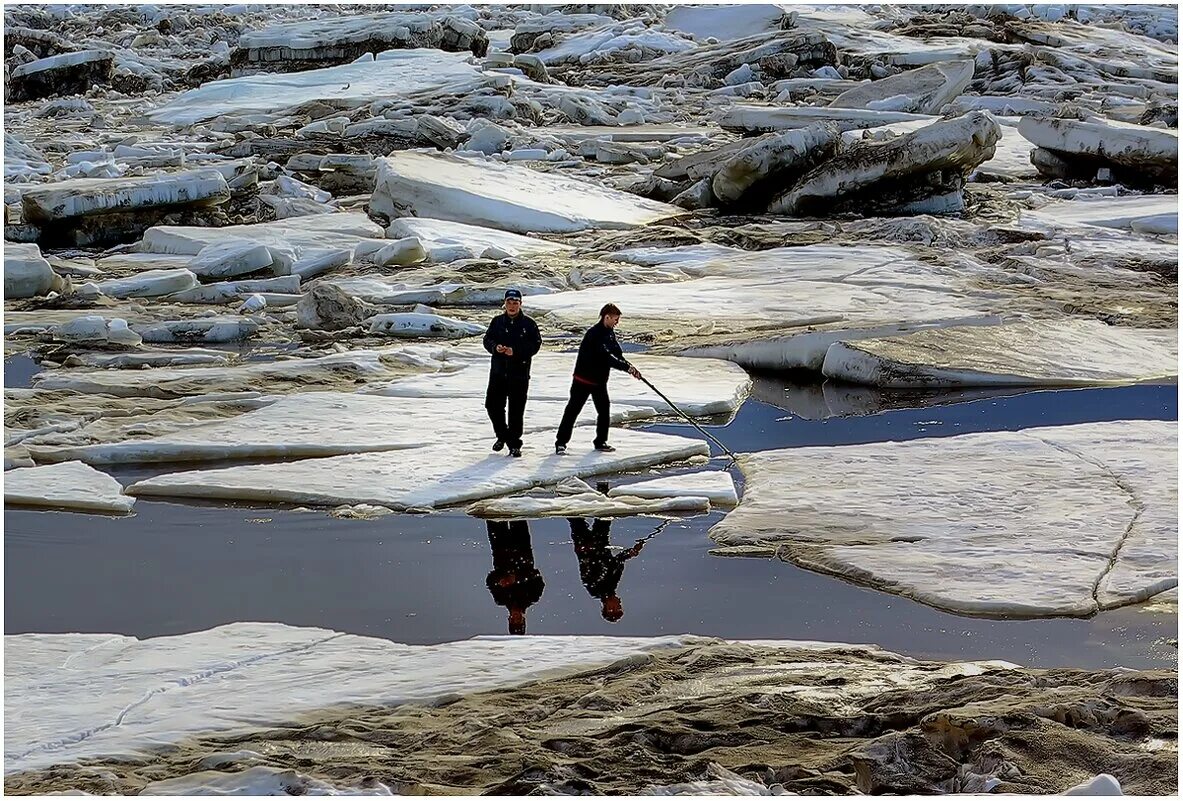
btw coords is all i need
(413, 324)
(591, 504)
(230, 258)
(26, 273)
(79, 197)
(258, 780)
(244, 676)
(205, 329)
(1044, 353)
(716, 486)
(716, 387)
(422, 478)
(150, 283)
(97, 330)
(928, 518)
(724, 22)
(503, 196)
(924, 91)
(395, 75)
(69, 485)
(316, 424)
(436, 235)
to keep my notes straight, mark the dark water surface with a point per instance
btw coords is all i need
(176, 568)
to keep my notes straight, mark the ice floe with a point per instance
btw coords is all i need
(66, 689)
(716, 486)
(590, 504)
(422, 478)
(26, 273)
(503, 196)
(66, 200)
(69, 485)
(1046, 353)
(925, 90)
(1040, 522)
(257, 781)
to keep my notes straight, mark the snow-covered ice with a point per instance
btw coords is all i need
(149, 283)
(589, 504)
(458, 240)
(70, 485)
(66, 200)
(715, 485)
(504, 196)
(724, 22)
(73, 696)
(421, 478)
(256, 781)
(26, 272)
(1043, 353)
(1041, 522)
(926, 90)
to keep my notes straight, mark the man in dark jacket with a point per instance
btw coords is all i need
(513, 582)
(600, 569)
(598, 354)
(512, 340)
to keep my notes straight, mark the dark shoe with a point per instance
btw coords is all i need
(604, 447)
(498, 445)
(515, 452)
(560, 449)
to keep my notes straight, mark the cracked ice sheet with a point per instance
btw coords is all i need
(397, 74)
(829, 293)
(73, 696)
(421, 478)
(699, 387)
(1021, 523)
(315, 424)
(1041, 353)
(70, 485)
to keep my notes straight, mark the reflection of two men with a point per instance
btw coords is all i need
(515, 582)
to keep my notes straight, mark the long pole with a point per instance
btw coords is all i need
(689, 420)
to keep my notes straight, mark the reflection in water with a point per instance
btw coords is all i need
(600, 568)
(514, 582)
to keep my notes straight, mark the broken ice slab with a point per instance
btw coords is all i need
(150, 283)
(504, 196)
(315, 424)
(238, 677)
(26, 273)
(704, 387)
(1033, 523)
(925, 90)
(307, 44)
(419, 324)
(590, 504)
(209, 330)
(1153, 214)
(727, 22)
(766, 119)
(63, 201)
(320, 232)
(228, 291)
(1040, 353)
(396, 74)
(421, 478)
(1138, 151)
(446, 240)
(715, 485)
(69, 485)
(66, 74)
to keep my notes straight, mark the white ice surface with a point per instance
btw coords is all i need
(590, 504)
(315, 424)
(78, 197)
(209, 330)
(73, 696)
(505, 196)
(419, 324)
(422, 478)
(69, 485)
(926, 90)
(725, 22)
(764, 119)
(715, 485)
(256, 781)
(1105, 212)
(323, 231)
(439, 236)
(396, 74)
(94, 329)
(230, 258)
(148, 284)
(1043, 353)
(1019, 523)
(26, 273)
(1122, 143)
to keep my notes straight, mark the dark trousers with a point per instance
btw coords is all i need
(502, 389)
(579, 395)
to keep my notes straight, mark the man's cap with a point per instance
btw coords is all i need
(513, 294)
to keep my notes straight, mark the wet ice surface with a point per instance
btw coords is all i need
(205, 565)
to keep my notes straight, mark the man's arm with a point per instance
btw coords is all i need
(490, 341)
(533, 341)
(615, 355)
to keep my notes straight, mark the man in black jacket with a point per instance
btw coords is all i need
(598, 353)
(514, 582)
(512, 340)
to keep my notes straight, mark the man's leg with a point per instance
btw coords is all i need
(603, 411)
(579, 393)
(495, 397)
(519, 388)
